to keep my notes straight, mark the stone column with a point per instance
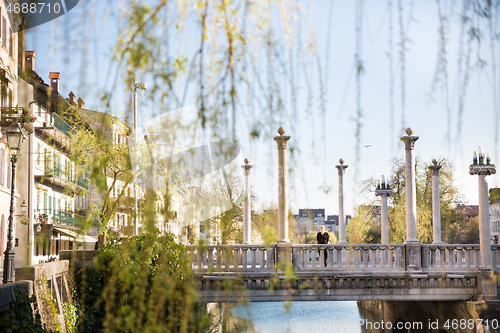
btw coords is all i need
(341, 168)
(436, 205)
(247, 208)
(281, 140)
(482, 170)
(384, 191)
(411, 194)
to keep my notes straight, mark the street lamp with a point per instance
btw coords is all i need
(14, 141)
(142, 86)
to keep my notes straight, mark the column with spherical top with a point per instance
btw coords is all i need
(482, 170)
(281, 140)
(342, 234)
(247, 230)
(384, 191)
(411, 194)
(436, 205)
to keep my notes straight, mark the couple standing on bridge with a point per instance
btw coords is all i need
(323, 238)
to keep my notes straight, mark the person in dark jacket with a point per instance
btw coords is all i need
(323, 238)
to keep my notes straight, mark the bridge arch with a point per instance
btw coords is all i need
(401, 326)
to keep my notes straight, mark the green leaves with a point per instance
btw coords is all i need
(19, 317)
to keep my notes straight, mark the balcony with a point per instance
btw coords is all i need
(10, 114)
(59, 217)
(56, 176)
(50, 125)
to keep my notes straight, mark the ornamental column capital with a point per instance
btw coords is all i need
(246, 167)
(341, 167)
(409, 140)
(435, 167)
(281, 140)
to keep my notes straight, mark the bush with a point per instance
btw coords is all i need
(140, 284)
(19, 318)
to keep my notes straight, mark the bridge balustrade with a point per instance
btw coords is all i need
(361, 257)
(230, 258)
(340, 258)
(495, 257)
(450, 257)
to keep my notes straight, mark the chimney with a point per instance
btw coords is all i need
(21, 56)
(81, 103)
(72, 98)
(30, 60)
(54, 80)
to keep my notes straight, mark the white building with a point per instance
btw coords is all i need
(8, 100)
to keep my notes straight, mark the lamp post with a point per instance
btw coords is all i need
(14, 141)
(482, 169)
(142, 86)
(384, 191)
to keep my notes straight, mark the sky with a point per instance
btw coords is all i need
(58, 45)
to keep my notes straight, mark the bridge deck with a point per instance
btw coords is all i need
(353, 272)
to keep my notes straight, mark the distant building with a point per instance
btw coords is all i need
(469, 211)
(495, 214)
(332, 222)
(310, 219)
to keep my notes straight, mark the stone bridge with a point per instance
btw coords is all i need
(281, 272)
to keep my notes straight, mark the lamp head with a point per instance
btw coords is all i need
(140, 85)
(14, 136)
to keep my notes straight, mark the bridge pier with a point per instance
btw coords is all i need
(482, 170)
(384, 191)
(411, 194)
(247, 207)
(436, 205)
(281, 140)
(342, 232)
(431, 317)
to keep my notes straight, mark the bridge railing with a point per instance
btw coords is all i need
(495, 257)
(361, 257)
(339, 258)
(231, 258)
(451, 257)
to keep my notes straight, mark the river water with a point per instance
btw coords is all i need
(302, 317)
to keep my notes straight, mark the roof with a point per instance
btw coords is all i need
(77, 237)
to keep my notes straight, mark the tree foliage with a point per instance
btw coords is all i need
(366, 226)
(141, 284)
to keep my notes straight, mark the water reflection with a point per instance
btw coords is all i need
(271, 317)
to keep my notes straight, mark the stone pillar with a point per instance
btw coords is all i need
(384, 191)
(411, 194)
(281, 140)
(341, 168)
(436, 205)
(247, 208)
(482, 170)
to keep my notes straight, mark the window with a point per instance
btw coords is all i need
(45, 202)
(9, 91)
(9, 171)
(11, 43)
(4, 32)
(6, 92)
(38, 153)
(50, 204)
(2, 166)
(37, 198)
